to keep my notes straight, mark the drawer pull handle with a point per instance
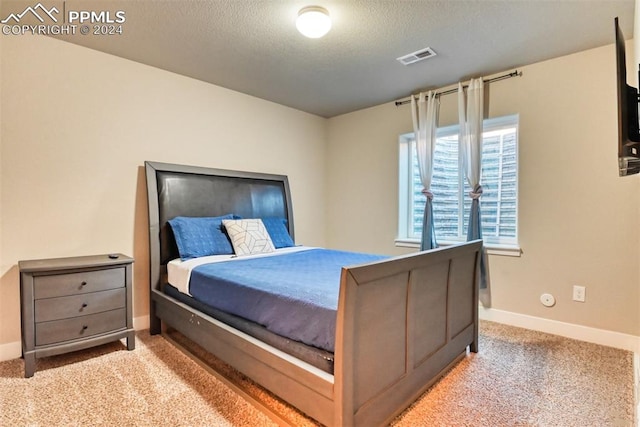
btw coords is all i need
(84, 305)
(83, 284)
(84, 327)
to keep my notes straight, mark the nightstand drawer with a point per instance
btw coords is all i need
(80, 327)
(78, 283)
(79, 305)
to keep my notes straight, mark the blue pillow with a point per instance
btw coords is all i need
(201, 236)
(276, 227)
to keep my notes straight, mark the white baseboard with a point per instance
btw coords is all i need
(10, 350)
(569, 330)
(13, 350)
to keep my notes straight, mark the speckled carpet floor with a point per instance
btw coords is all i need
(519, 378)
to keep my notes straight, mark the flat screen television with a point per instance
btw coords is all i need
(628, 132)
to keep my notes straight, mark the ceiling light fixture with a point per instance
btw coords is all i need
(313, 21)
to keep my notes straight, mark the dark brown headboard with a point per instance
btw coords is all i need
(179, 190)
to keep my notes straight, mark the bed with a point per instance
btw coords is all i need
(401, 322)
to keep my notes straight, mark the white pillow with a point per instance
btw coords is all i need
(248, 236)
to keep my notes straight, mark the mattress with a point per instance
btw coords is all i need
(292, 293)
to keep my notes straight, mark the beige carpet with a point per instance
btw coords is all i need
(519, 378)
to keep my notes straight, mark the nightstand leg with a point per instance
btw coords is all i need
(29, 364)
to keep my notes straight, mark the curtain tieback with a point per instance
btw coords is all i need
(475, 194)
(427, 193)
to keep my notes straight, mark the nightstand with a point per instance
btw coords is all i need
(70, 304)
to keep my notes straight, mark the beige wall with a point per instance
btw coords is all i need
(76, 126)
(2, 321)
(578, 221)
(76, 130)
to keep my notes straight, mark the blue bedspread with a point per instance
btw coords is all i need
(294, 294)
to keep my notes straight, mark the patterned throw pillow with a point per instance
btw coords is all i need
(248, 236)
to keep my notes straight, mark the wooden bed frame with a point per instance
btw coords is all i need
(401, 323)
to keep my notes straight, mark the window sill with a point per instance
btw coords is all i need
(500, 250)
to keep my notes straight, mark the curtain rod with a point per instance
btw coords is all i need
(515, 73)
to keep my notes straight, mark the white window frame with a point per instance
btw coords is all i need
(404, 239)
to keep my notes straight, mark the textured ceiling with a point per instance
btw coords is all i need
(252, 46)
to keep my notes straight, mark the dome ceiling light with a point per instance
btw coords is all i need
(313, 21)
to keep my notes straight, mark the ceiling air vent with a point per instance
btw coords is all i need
(416, 56)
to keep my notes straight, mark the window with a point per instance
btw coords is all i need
(451, 202)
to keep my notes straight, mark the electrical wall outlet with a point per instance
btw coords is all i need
(579, 293)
